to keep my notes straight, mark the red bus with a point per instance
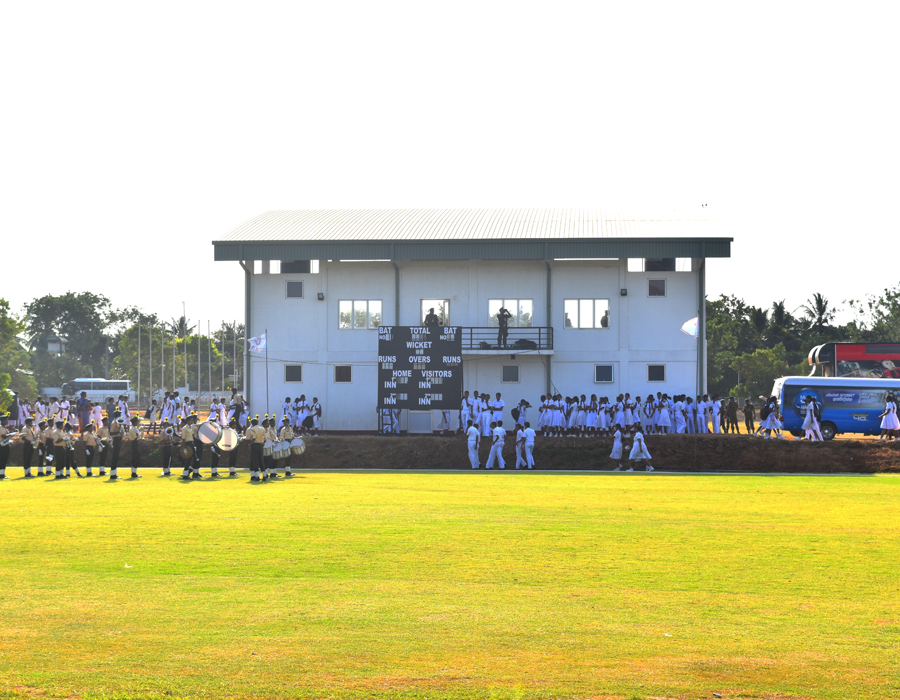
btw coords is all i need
(869, 360)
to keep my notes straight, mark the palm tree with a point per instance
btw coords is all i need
(759, 319)
(818, 312)
(176, 327)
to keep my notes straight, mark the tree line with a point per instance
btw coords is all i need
(748, 347)
(106, 342)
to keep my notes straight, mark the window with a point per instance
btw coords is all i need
(656, 288)
(659, 265)
(510, 374)
(521, 310)
(441, 310)
(293, 267)
(359, 314)
(343, 374)
(293, 290)
(293, 373)
(603, 374)
(586, 313)
(656, 373)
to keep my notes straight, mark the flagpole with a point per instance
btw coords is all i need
(267, 369)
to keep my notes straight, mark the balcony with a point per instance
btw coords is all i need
(483, 341)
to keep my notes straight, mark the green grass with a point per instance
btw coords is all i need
(410, 585)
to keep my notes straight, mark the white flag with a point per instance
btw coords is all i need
(258, 344)
(692, 327)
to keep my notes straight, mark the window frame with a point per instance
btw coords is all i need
(656, 381)
(514, 320)
(335, 377)
(518, 379)
(302, 289)
(576, 326)
(368, 326)
(612, 374)
(293, 381)
(423, 310)
(665, 282)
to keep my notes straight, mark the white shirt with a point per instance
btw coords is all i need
(500, 434)
(520, 436)
(529, 436)
(498, 409)
(472, 433)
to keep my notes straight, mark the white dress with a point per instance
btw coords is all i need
(809, 420)
(890, 420)
(663, 419)
(620, 415)
(617, 446)
(639, 449)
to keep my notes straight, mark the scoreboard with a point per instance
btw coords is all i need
(419, 367)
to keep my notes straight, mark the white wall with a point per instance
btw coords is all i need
(643, 330)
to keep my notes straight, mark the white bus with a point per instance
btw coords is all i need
(98, 390)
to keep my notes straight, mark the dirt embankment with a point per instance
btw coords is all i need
(670, 452)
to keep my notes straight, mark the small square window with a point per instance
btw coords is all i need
(656, 373)
(603, 374)
(294, 290)
(656, 288)
(293, 373)
(510, 374)
(343, 374)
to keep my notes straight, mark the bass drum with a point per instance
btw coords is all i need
(229, 440)
(297, 446)
(209, 433)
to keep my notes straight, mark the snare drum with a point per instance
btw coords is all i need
(209, 433)
(268, 448)
(229, 440)
(297, 446)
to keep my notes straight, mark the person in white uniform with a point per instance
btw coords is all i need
(498, 407)
(639, 453)
(474, 440)
(811, 421)
(890, 423)
(529, 445)
(520, 447)
(465, 411)
(498, 435)
(616, 454)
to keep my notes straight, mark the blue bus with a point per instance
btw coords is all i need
(848, 405)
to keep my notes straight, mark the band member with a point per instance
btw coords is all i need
(69, 432)
(286, 435)
(257, 438)
(134, 436)
(28, 439)
(4, 449)
(233, 455)
(58, 438)
(90, 447)
(168, 447)
(187, 438)
(213, 462)
(116, 433)
(198, 443)
(103, 448)
(40, 440)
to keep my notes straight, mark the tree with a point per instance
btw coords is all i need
(81, 319)
(759, 369)
(878, 317)
(178, 326)
(818, 312)
(15, 363)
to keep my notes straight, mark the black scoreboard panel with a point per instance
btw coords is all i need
(420, 368)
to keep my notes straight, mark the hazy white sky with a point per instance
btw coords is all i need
(135, 134)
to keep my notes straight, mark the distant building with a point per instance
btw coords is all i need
(597, 300)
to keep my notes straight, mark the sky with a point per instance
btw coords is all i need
(135, 134)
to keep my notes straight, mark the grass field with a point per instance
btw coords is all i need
(459, 585)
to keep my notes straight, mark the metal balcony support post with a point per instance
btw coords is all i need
(549, 361)
(396, 288)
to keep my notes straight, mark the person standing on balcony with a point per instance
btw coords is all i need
(503, 316)
(431, 320)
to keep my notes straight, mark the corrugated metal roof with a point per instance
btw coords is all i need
(462, 224)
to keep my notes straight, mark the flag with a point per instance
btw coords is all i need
(258, 344)
(692, 327)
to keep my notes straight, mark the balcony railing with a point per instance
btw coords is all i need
(519, 339)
